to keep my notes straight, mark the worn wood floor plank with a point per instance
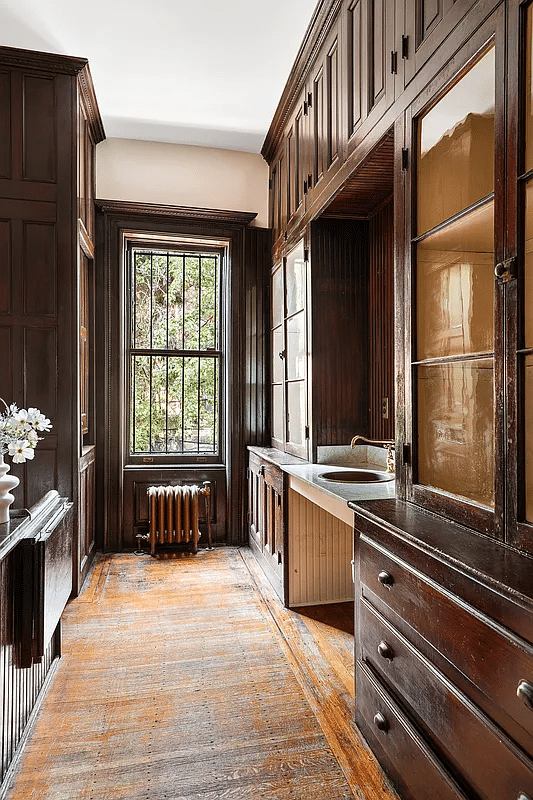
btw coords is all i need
(176, 683)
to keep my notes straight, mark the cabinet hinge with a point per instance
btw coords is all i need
(394, 62)
(406, 453)
(309, 100)
(405, 157)
(505, 271)
(306, 258)
(305, 108)
(305, 187)
(405, 46)
(270, 183)
(307, 431)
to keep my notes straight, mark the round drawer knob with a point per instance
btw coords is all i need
(386, 579)
(525, 692)
(385, 650)
(381, 723)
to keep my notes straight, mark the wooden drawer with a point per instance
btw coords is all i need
(492, 658)
(463, 735)
(414, 768)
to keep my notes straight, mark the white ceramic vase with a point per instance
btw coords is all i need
(7, 482)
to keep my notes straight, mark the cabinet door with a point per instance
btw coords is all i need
(324, 99)
(297, 160)
(85, 542)
(273, 518)
(455, 351)
(427, 24)
(255, 501)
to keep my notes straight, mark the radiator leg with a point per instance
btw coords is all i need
(140, 551)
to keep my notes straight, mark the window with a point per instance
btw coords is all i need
(174, 355)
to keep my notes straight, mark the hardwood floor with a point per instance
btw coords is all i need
(186, 679)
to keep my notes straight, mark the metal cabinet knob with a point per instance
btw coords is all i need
(381, 722)
(385, 650)
(386, 579)
(525, 692)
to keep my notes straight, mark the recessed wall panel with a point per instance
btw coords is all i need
(39, 158)
(40, 370)
(5, 266)
(39, 268)
(5, 125)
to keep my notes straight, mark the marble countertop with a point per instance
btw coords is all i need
(338, 459)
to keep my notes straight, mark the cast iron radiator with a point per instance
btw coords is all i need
(175, 515)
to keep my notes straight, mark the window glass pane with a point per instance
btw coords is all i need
(528, 268)
(455, 287)
(296, 350)
(456, 147)
(528, 399)
(529, 90)
(297, 416)
(141, 299)
(295, 280)
(456, 429)
(278, 418)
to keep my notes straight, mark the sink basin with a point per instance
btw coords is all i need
(356, 476)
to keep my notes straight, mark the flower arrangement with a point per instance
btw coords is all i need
(18, 431)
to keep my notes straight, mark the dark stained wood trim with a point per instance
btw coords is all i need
(323, 18)
(88, 97)
(48, 62)
(183, 213)
(85, 240)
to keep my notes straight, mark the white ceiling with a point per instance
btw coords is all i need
(202, 72)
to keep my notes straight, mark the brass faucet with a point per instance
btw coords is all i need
(388, 443)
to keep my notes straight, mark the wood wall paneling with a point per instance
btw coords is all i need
(5, 124)
(39, 107)
(339, 276)
(5, 260)
(40, 268)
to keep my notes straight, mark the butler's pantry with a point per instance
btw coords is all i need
(270, 414)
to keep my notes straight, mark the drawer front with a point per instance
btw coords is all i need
(465, 737)
(413, 766)
(497, 662)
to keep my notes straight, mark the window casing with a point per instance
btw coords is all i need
(174, 353)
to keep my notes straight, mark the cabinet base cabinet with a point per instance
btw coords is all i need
(444, 669)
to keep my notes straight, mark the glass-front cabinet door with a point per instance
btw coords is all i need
(289, 365)
(455, 339)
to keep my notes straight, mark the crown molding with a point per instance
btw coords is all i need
(211, 215)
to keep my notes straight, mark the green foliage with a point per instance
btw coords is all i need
(175, 307)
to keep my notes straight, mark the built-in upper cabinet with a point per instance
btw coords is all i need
(469, 348)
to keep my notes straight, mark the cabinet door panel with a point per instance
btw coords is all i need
(354, 70)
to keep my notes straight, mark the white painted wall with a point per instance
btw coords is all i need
(182, 175)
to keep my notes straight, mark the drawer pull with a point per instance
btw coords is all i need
(525, 693)
(386, 579)
(381, 723)
(385, 650)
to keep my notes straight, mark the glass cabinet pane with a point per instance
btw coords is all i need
(528, 268)
(456, 147)
(296, 349)
(528, 400)
(296, 412)
(295, 281)
(278, 356)
(277, 297)
(455, 287)
(528, 110)
(278, 413)
(456, 429)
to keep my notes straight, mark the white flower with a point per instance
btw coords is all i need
(21, 415)
(38, 420)
(20, 451)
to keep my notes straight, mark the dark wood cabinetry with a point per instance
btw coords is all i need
(266, 520)
(444, 657)
(48, 130)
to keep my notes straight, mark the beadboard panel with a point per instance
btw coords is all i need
(320, 555)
